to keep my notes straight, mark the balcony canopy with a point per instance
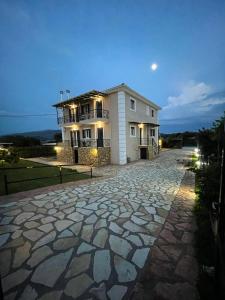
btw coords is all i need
(82, 97)
(144, 123)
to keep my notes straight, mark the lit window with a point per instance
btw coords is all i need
(132, 131)
(132, 104)
(147, 110)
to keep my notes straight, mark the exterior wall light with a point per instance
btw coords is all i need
(94, 152)
(57, 149)
(75, 127)
(141, 125)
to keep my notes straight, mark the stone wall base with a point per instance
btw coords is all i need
(65, 154)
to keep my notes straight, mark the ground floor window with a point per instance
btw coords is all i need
(86, 133)
(133, 131)
(152, 132)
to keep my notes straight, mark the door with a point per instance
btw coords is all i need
(76, 156)
(99, 137)
(77, 138)
(143, 153)
(99, 109)
(140, 136)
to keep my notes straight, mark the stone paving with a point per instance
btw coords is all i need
(172, 271)
(89, 241)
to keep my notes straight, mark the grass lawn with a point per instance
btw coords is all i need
(20, 174)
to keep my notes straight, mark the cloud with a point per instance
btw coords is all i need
(196, 102)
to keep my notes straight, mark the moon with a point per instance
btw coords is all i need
(154, 67)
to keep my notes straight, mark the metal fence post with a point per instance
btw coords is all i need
(60, 174)
(6, 184)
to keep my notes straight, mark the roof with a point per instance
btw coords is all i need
(94, 93)
(84, 96)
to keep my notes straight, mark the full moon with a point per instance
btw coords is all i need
(154, 67)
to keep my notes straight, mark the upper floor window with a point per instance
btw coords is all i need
(147, 110)
(86, 133)
(133, 131)
(132, 104)
(153, 113)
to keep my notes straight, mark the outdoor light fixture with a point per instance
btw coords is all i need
(141, 125)
(57, 148)
(75, 127)
(99, 124)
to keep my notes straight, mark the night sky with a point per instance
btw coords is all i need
(82, 45)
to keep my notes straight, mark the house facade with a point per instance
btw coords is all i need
(115, 126)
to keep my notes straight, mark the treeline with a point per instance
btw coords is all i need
(179, 140)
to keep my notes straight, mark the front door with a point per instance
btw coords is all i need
(77, 138)
(99, 109)
(99, 137)
(143, 153)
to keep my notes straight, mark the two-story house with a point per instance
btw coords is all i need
(114, 126)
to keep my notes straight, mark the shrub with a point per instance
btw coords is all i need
(34, 151)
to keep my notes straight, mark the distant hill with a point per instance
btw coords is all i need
(43, 135)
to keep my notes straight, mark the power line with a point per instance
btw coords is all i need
(27, 115)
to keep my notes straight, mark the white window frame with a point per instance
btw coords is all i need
(86, 138)
(147, 110)
(132, 99)
(151, 131)
(135, 130)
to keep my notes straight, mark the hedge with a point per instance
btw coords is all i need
(33, 151)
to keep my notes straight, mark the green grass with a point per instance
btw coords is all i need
(14, 175)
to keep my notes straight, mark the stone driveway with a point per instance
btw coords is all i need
(89, 241)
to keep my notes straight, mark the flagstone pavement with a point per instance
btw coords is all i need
(89, 241)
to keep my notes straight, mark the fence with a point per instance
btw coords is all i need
(60, 174)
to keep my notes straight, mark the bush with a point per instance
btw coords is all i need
(34, 151)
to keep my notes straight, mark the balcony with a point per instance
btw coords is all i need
(86, 118)
(92, 143)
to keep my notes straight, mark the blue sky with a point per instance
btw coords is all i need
(81, 45)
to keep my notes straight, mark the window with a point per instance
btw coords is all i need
(132, 131)
(152, 132)
(153, 113)
(147, 110)
(86, 133)
(132, 104)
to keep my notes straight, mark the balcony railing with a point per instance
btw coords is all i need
(94, 143)
(95, 114)
(145, 141)
(75, 118)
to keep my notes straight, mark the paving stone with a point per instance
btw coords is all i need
(6, 220)
(133, 227)
(85, 212)
(125, 270)
(91, 219)
(47, 220)
(31, 224)
(4, 238)
(45, 240)
(78, 265)
(87, 232)
(135, 239)
(21, 255)
(187, 268)
(33, 234)
(46, 227)
(172, 251)
(84, 248)
(99, 292)
(16, 234)
(55, 295)
(65, 233)
(65, 243)
(168, 236)
(11, 296)
(5, 262)
(117, 292)
(140, 257)
(14, 212)
(39, 255)
(21, 218)
(75, 228)
(93, 206)
(175, 291)
(36, 217)
(14, 243)
(48, 272)
(100, 224)
(147, 239)
(62, 224)
(159, 219)
(100, 238)
(138, 221)
(78, 285)
(115, 228)
(8, 228)
(14, 279)
(102, 267)
(150, 210)
(29, 294)
(119, 245)
(76, 216)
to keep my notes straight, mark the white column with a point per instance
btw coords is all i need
(122, 128)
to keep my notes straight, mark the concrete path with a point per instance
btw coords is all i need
(89, 241)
